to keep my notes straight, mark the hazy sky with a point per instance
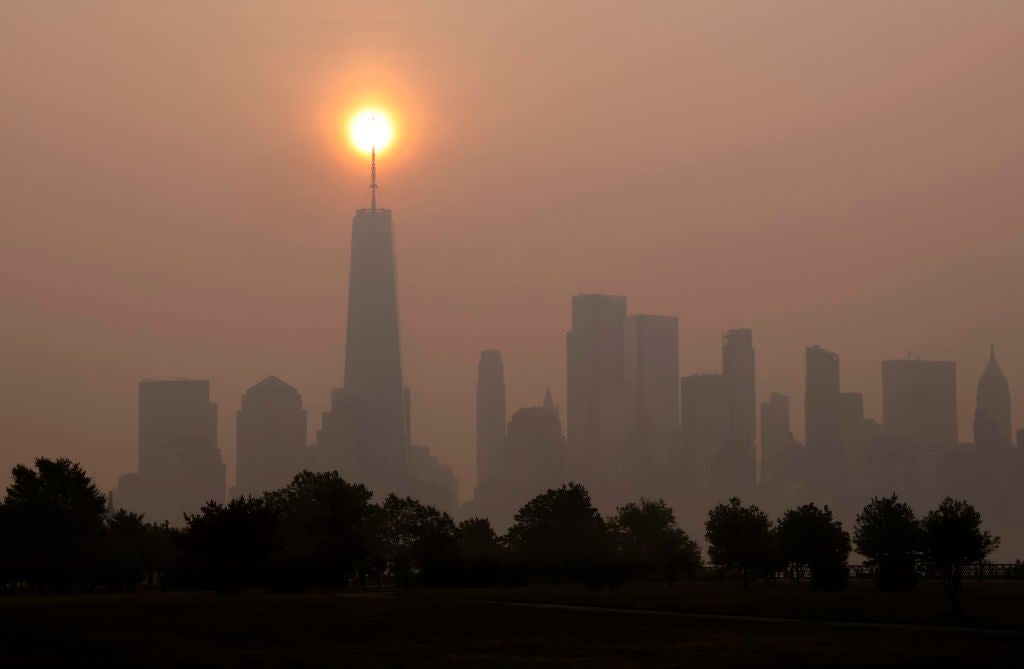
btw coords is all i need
(174, 200)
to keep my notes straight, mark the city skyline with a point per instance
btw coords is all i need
(141, 250)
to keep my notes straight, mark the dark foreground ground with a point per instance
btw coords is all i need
(501, 628)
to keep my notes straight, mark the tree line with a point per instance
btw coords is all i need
(59, 533)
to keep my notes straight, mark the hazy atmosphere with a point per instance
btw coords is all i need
(176, 196)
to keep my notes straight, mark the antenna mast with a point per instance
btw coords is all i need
(373, 166)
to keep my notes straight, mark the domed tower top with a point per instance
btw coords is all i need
(992, 420)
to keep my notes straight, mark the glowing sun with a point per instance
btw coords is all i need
(370, 128)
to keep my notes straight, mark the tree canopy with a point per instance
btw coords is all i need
(739, 537)
(809, 537)
(887, 534)
(648, 540)
(560, 528)
(54, 518)
(952, 540)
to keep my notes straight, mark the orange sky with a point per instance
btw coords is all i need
(845, 173)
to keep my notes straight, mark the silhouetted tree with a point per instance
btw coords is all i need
(888, 536)
(739, 537)
(416, 539)
(953, 539)
(162, 555)
(477, 540)
(561, 533)
(124, 550)
(809, 537)
(323, 529)
(229, 545)
(480, 551)
(53, 519)
(649, 542)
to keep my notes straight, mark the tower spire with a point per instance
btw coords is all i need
(373, 178)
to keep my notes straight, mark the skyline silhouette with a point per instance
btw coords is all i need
(408, 333)
(854, 189)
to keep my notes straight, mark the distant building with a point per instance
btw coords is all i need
(597, 408)
(533, 460)
(431, 481)
(823, 458)
(270, 437)
(706, 424)
(738, 369)
(534, 453)
(777, 451)
(919, 401)
(733, 471)
(856, 433)
(851, 424)
(993, 425)
(365, 435)
(490, 416)
(373, 362)
(549, 404)
(652, 382)
(180, 465)
(822, 399)
(893, 464)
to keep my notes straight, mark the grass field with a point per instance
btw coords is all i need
(996, 604)
(484, 628)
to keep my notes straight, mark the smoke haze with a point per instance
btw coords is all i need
(174, 200)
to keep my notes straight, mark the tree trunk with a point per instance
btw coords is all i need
(954, 592)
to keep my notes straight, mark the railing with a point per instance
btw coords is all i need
(992, 570)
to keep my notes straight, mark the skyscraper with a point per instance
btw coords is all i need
(180, 466)
(706, 424)
(856, 433)
(270, 437)
(596, 399)
(534, 453)
(821, 400)
(919, 401)
(652, 380)
(919, 423)
(369, 435)
(738, 370)
(490, 416)
(777, 451)
(824, 468)
(993, 426)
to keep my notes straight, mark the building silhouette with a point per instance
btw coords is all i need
(431, 481)
(596, 408)
(919, 401)
(652, 382)
(733, 471)
(778, 453)
(856, 433)
(533, 459)
(821, 399)
(534, 452)
(549, 404)
(365, 434)
(919, 422)
(824, 466)
(852, 428)
(706, 423)
(180, 465)
(490, 416)
(993, 425)
(738, 370)
(270, 437)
